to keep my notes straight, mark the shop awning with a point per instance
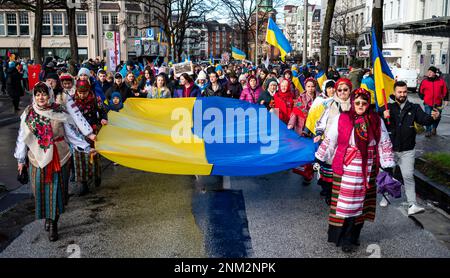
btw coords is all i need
(435, 27)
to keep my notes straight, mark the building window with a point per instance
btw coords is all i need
(2, 24)
(11, 20)
(114, 19)
(57, 25)
(105, 19)
(81, 24)
(24, 23)
(46, 25)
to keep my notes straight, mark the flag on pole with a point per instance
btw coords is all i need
(160, 34)
(384, 80)
(275, 37)
(321, 77)
(211, 58)
(296, 81)
(237, 53)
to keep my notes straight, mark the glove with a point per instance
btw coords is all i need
(389, 170)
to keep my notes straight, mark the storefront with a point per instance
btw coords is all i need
(23, 52)
(64, 53)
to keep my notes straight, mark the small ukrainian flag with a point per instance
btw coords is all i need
(237, 53)
(321, 77)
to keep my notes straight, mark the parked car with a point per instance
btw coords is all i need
(409, 76)
(343, 72)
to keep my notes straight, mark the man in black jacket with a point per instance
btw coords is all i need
(402, 114)
(14, 85)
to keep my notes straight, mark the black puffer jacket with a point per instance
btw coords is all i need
(13, 83)
(401, 128)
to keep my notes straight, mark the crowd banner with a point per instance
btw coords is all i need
(185, 67)
(201, 136)
(33, 75)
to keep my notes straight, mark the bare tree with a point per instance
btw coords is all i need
(243, 14)
(347, 26)
(37, 7)
(325, 40)
(175, 16)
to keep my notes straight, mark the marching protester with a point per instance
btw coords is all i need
(88, 166)
(187, 89)
(338, 104)
(146, 83)
(115, 103)
(101, 85)
(215, 87)
(159, 88)
(201, 82)
(267, 97)
(297, 122)
(357, 142)
(14, 85)
(252, 91)
(234, 89)
(284, 101)
(119, 86)
(402, 115)
(42, 149)
(434, 92)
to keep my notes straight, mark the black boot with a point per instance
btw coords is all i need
(47, 225)
(98, 182)
(84, 189)
(53, 233)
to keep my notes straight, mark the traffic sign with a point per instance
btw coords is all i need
(150, 34)
(340, 50)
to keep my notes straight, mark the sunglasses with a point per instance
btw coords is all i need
(361, 103)
(343, 90)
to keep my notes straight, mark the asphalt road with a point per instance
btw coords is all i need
(137, 214)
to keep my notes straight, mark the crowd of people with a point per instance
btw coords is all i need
(58, 129)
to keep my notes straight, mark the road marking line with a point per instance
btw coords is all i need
(226, 182)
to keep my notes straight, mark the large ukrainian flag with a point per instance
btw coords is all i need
(275, 37)
(237, 53)
(141, 136)
(384, 80)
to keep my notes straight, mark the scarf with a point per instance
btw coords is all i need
(344, 105)
(303, 105)
(187, 91)
(87, 104)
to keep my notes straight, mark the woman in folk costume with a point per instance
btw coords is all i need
(357, 143)
(284, 101)
(297, 122)
(340, 102)
(45, 132)
(94, 112)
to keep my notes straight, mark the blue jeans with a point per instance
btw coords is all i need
(428, 110)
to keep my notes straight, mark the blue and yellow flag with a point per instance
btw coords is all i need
(275, 37)
(199, 136)
(296, 81)
(384, 80)
(211, 58)
(321, 77)
(237, 53)
(368, 84)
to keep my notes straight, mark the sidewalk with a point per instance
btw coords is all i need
(7, 115)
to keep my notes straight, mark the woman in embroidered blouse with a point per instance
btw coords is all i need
(357, 143)
(45, 131)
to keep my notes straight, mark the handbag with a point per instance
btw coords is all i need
(23, 176)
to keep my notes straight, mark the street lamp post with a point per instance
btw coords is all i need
(256, 39)
(305, 32)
